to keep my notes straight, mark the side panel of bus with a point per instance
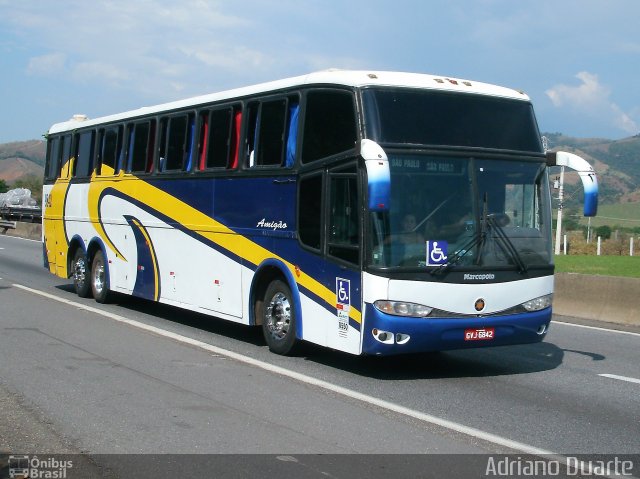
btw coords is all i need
(199, 244)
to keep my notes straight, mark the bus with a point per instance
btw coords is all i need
(369, 212)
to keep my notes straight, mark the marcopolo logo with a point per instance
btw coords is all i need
(273, 225)
(479, 277)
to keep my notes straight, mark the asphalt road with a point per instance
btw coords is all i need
(140, 378)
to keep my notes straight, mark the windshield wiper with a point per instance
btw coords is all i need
(489, 221)
(506, 243)
(477, 239)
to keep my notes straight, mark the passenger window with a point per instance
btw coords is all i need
(344, 214)
(292, 134)
(252, 133)
(83, 166)
(53, 158)
(110, 146)
(235, 138)
(66, 155)
(141, 142)
(310, 211)
(329, 125)
(215, 138)
(271, 133)
(268, 132)
(176, 143)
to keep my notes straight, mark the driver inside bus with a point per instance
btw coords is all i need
(412, 240)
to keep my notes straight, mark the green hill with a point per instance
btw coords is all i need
(617, 163)
(33, 151)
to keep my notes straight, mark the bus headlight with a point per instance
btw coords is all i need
(538, 303)
(400, 308)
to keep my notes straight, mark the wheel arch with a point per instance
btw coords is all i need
(268, 271)
(75, 243)
(96, 244)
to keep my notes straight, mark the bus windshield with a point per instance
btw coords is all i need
(463, 212)
(429, 117)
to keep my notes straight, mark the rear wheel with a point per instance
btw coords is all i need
(81, 274)
(99, 281)
(278, 318)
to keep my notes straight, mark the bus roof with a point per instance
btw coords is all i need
(350, 78)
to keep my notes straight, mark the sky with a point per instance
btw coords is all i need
(578, 60)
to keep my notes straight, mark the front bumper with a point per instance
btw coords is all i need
(414, 335)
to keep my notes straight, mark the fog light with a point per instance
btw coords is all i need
(384, 337)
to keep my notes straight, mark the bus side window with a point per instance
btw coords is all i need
(150, 145)
(344, 226)
(141, 136)
(310, 211)
(176, 143)
(203, 142)
(110, 145)
(329, 124)
(83, 166)
(292, 134)
(234, 152)
(253, 130)
(271, 130)
(65, 156)
(191, 145)
(218, 138)
(53, 158)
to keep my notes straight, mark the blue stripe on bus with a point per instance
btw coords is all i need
(288, 249)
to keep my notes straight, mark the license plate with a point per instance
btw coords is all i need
(482, 334)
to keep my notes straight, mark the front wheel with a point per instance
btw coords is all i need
(99, 282)
(278, 318)
(81, 274)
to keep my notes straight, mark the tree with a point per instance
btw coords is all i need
(604, 231)
(3, 186)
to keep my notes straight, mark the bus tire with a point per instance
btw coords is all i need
(279, 318)
(80, 268)
(99, 282)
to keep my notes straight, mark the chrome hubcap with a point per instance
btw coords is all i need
(98, 278)
(278, 316)
(80, 271)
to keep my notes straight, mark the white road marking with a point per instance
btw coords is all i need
(596, 328)
(620, 378)
(427, 418)
(24, 239)
(586, 469)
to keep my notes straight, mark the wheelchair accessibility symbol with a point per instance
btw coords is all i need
(437, 253)
(343, 293)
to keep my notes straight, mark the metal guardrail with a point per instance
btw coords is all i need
(7, 225)
(21, 213)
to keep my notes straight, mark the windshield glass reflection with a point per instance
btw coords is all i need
(463, 212)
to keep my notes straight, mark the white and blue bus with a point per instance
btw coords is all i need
(368, 212)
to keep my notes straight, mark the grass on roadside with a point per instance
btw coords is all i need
(628, 266)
